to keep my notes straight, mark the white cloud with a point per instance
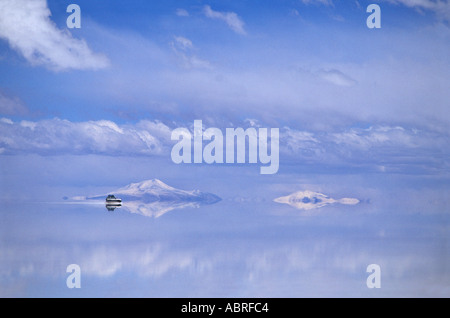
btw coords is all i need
(440, 7)
(302, 143)
(26, 124)
(375, 137)
(6, 121)
(392, 147)
(56, 136)
(324, 2)
(294, 13)
(11, 105)
(336, 77)
(183, 48)
(230, 18)
(181, 13)
(376, 146)
(183, 43)
(252, 122)
(27, 27)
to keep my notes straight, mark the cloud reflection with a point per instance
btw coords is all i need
(328, 266)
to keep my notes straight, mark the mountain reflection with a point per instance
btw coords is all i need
(156, 209)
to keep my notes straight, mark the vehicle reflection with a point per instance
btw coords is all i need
(112, 207)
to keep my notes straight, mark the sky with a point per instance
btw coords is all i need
(134, 72)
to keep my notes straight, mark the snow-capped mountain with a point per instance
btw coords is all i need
(307, 200)
(155, 190)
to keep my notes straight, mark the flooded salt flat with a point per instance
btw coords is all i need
(246, 245)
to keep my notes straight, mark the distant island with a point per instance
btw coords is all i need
(307, 200)
(154, 198)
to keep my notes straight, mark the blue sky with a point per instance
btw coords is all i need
(341, 93)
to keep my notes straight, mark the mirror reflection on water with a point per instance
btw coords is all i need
(246, 244)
